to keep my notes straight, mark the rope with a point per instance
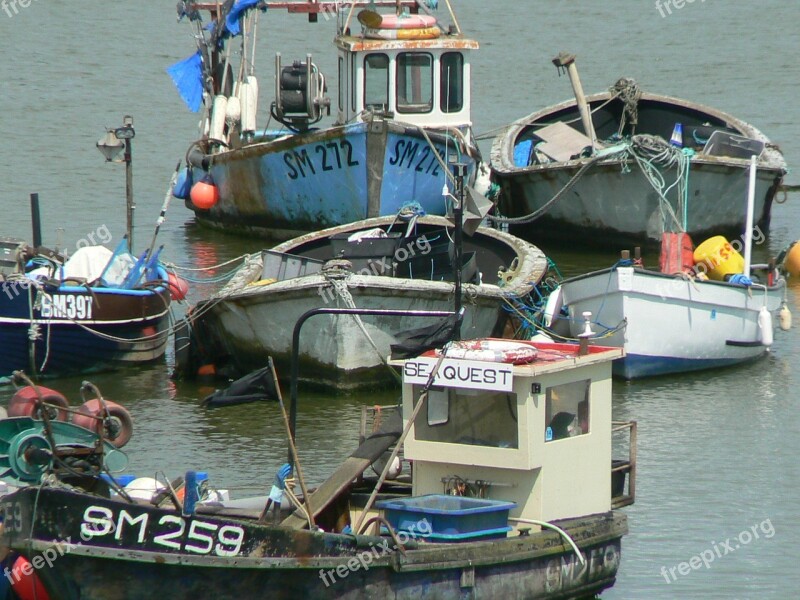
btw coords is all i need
(340, 288)
(529, 218)
(654, 155)
(627, 90)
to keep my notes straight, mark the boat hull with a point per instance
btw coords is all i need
(102, 549)
(670, 324)
(615, 201)
(306, 182)
(334, 351)
(252, 318)
(77, 330)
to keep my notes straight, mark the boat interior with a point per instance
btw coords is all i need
(614, 120)
(406, 250)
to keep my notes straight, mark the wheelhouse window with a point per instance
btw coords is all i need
(472, 417)
(566, 411)
(341, 83)
(353, 82)
(414, 82)
(451, 88)
(376, 81)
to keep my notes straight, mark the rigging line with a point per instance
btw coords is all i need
(547, 205)
(223, 264)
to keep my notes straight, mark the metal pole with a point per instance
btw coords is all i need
(36, 221)
(130, 206)
(460, 171)
(748, 227)
(295, 366)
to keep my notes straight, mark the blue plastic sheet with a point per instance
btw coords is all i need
(232, 20)
(188, 78)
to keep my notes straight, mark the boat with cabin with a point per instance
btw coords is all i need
(513, 493)
(628, 165)
(400, 114)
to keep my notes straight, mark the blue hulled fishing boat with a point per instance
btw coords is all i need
(401, 112)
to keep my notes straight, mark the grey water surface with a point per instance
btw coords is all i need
(718, 468)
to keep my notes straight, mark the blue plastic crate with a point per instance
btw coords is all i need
(438, 516)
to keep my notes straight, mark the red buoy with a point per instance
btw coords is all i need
(24, 403)
(204, 194)
(178, 287)
(25, 582)
(119, 428)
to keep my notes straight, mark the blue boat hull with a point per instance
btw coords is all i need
(634, 366)
(72, 329)
(286, 186)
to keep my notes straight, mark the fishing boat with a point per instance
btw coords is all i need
(90, 311)
(401, 112)
(382, 263)
(628, 165)
(510, 496)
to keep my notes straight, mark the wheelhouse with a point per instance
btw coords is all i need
(422, 82)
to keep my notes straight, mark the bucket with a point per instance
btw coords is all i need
(718, 257)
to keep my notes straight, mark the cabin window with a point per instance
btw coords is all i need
(472, 417)
(342, 77)
(414, 82)
(451, 88)
(566, 411)
(376, 81)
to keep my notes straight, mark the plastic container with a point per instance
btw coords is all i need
(718, 257)
(676, 253)
(448, 518)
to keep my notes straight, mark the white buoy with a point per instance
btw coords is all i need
(248, 96)
(233, 111)
(765, 324)
(216, 131)
(785, 317)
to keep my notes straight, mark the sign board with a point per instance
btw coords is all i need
(472, 374)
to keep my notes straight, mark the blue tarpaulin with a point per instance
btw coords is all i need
(232, 20)
(188, 78)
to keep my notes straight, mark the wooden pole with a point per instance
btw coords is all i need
(567, 61)
(292, 447)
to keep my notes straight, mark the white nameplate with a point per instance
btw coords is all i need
(476, 375)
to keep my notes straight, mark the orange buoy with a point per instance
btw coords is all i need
(24, 403)
(25, 582)
(178, 287)
(791, 262)
(118, 426)
(204, 194)
(209, 370)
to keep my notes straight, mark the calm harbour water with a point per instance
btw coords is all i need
(717, 451)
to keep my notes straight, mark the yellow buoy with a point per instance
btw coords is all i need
(718, 258)
(791, 263)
